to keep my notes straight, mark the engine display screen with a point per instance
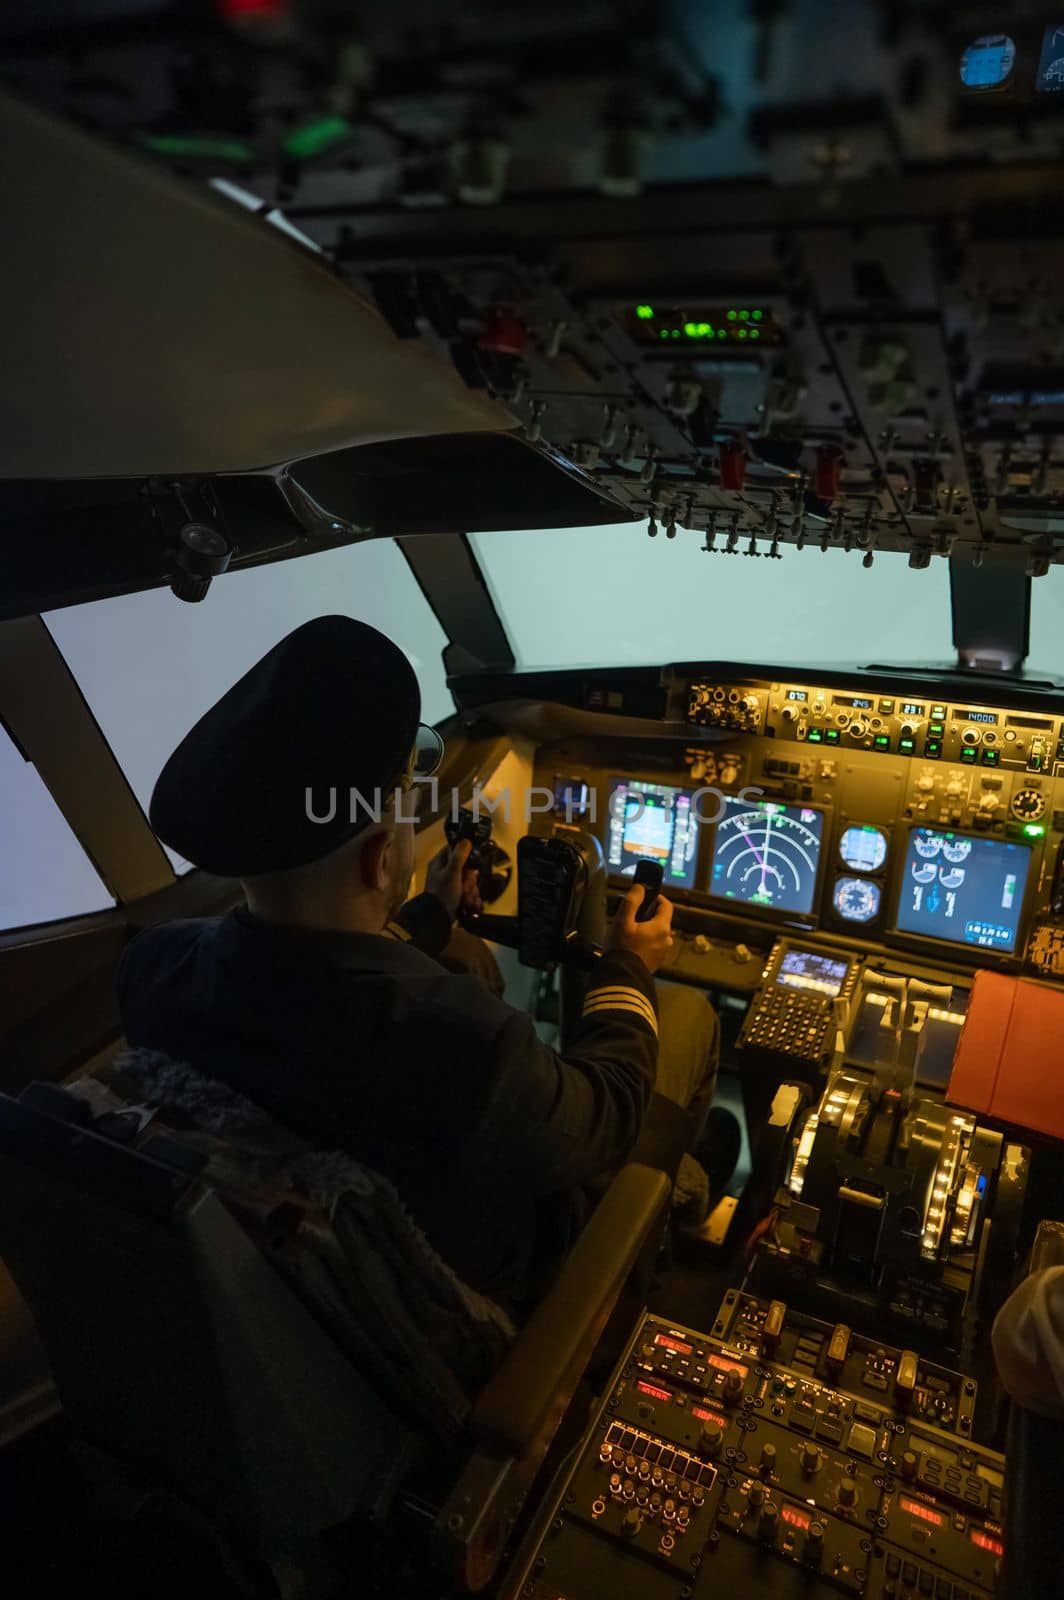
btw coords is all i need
(652, 822)
(767, 854)
(968, 890)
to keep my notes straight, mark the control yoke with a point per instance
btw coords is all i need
(556, 877)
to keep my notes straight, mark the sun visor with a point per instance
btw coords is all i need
(154, 327)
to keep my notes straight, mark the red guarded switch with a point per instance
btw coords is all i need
(828, 471)
(503, 332)
(732, 464)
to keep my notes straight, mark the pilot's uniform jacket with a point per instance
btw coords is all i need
(363, 1041)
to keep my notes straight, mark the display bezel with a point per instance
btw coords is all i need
(666, 781)
(749, 908)
(978, 952)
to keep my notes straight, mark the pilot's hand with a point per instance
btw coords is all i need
(446, 875)
(650, 940)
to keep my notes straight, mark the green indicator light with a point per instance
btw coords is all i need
(705, 330)
(755, 333)
(176, 144)
(756, 315)
(644, 312)
(691, 329)
(1033, 830)
(744, 316)
(732, 315)
(676, 333)
(742, 333)
(314, 137)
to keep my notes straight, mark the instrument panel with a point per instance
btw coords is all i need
(910, 821)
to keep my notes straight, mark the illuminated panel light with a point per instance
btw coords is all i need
(668, 1343)
(269, 21)
(985, 1542)
(704, 1415)
(916, 1508)
(722, 1364)
(1033, 830)
(655, 1394)
(314, 137)
(201, 147)
(796, 1518)
(644, 312)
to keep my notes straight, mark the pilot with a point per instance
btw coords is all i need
(321, 998)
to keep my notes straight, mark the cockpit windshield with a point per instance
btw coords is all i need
(660, 599)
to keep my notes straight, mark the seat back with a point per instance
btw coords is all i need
(176, 1347)
(1034, 1485)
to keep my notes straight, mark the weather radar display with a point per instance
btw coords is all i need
(767, 854)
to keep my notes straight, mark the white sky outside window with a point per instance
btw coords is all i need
(45, 875)
(150, 665)
(1047, 625)
(612, 596)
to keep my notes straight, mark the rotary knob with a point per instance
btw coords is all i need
(631, 1522)
(789, 713)
(814, 1542)
(848, 1494)
(810, 1459)
(710, 1439)
(909, 1464)
(769, 1522)
(733, 1387)
(858, 728)
(768, 1458)
(755, 1495)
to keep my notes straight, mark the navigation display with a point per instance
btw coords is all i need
(651, 822)
(767, 854)
(968, 890)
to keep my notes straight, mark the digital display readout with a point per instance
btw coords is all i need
(916, 1508)
(912, 709)
(856, 702)
(655, 1394)
(668, 1343)
(702, 1415)
(985, 1542)
(797, 694)
(796, 1517)
(722, 1364)
(975, 716)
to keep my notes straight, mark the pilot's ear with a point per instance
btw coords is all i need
(375, 859)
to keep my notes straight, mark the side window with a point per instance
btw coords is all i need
(150, 666)
(45, 875)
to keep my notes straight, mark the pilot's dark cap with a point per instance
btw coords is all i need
(333, 707)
